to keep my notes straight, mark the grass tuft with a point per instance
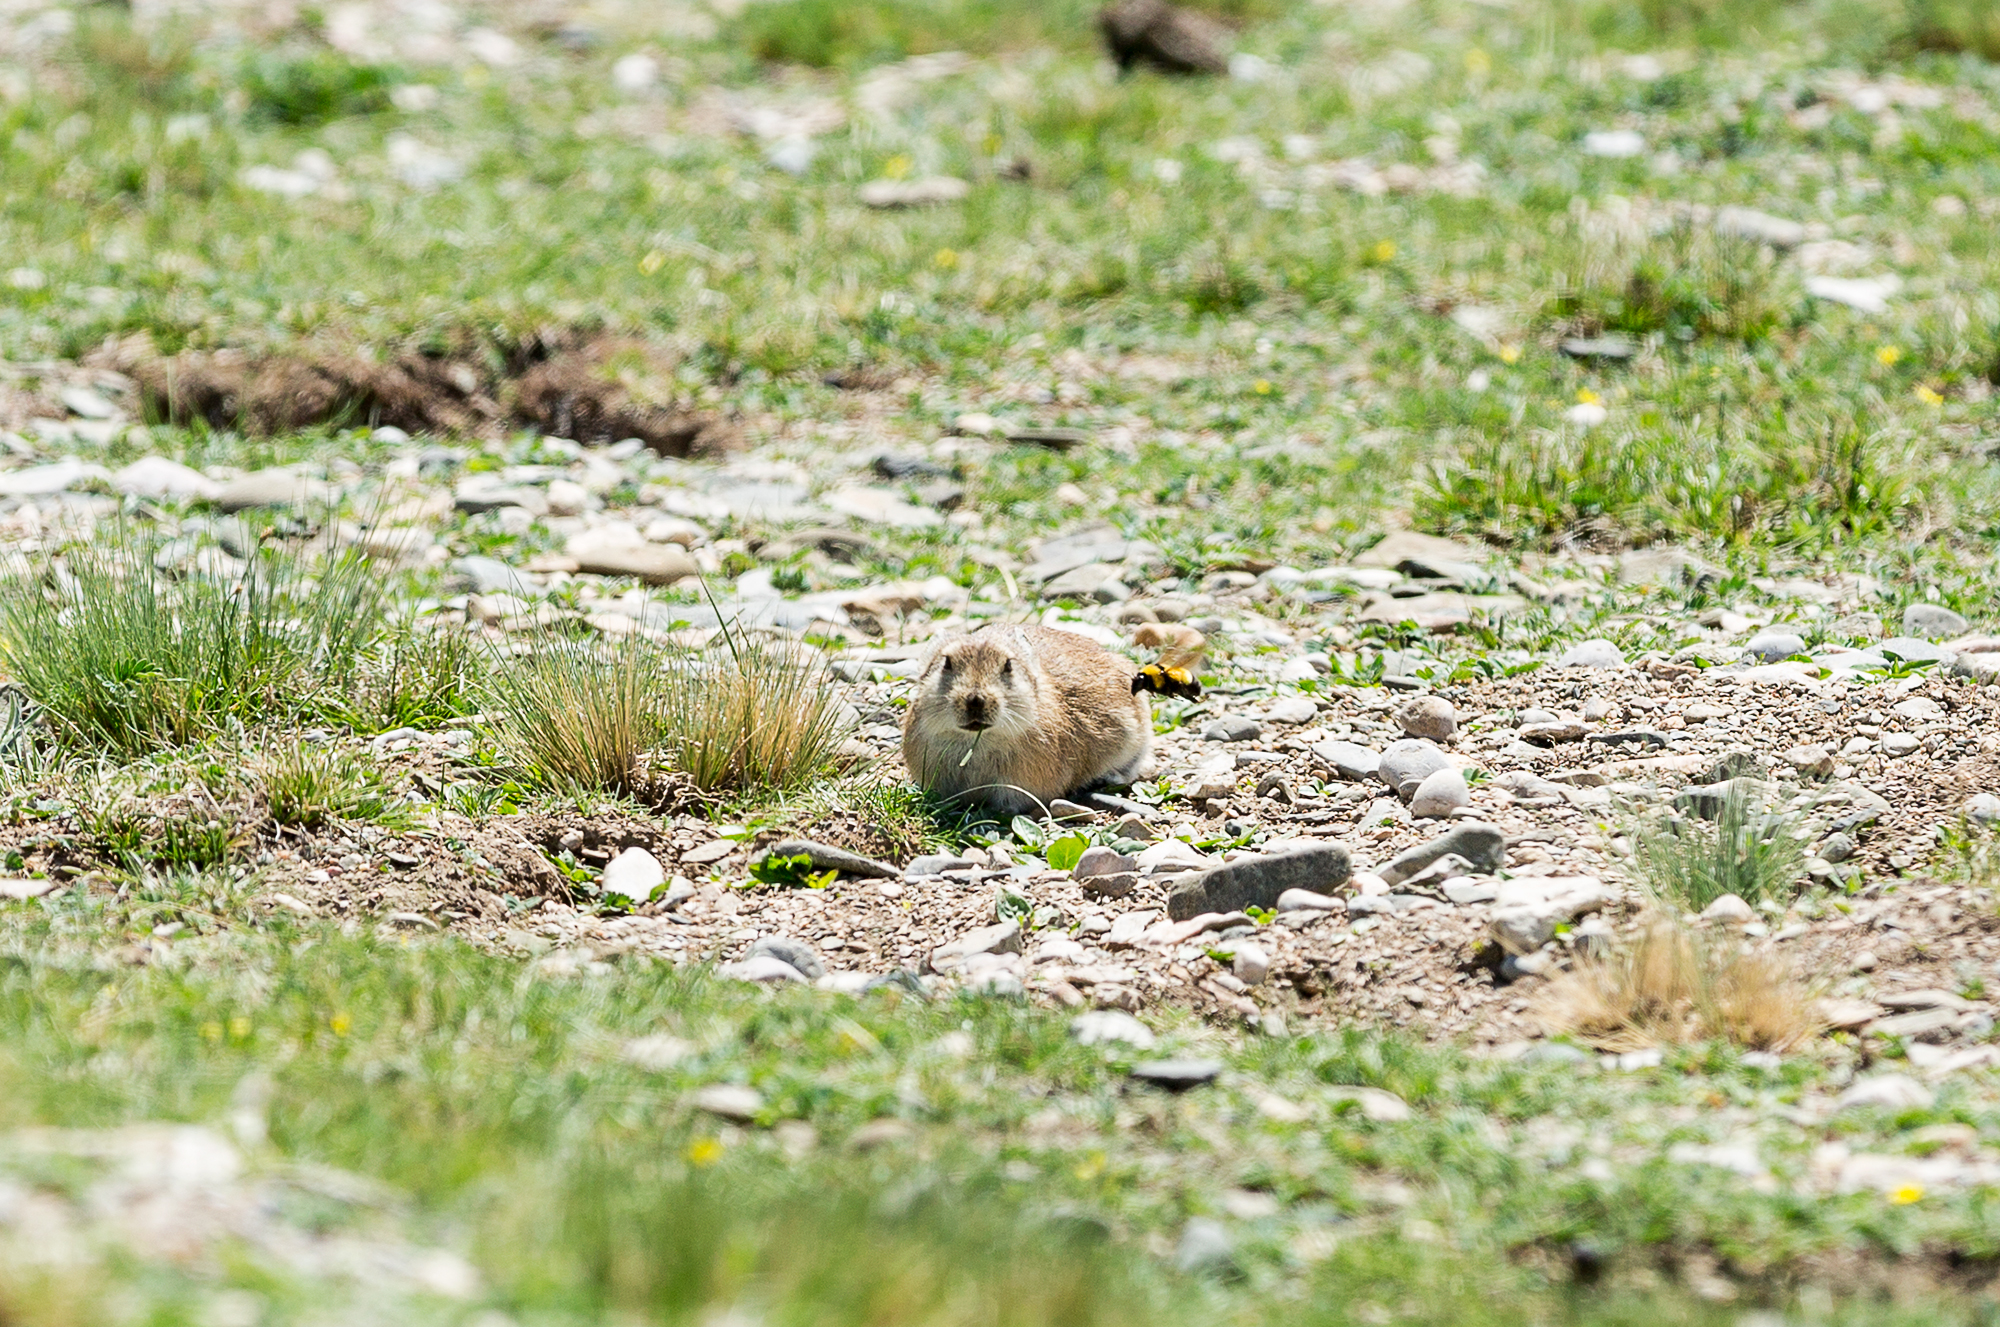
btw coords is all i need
(1672, 986)
(627, 718)
(118, 656)
(309, 787)
(1746, 851)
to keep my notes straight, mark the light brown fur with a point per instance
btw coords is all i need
(1059, 714)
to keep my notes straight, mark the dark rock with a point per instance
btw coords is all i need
(825, 857)
(1632, 737)
(1177, 1075)
(1172, 39)
(1483, 847)
(1258, 881)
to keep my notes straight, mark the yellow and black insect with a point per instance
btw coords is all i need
(1167, 680)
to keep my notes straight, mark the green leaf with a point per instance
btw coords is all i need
(1065, 852)
(1027, 832)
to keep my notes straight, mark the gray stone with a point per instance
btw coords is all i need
(1813, 761)
(1933, 622)
(1408, 763)
(1232, 728)
(1250, 964)
(1705, 801)
(1440, 794)
(160, 477)
(1100, 860)
(1774, 646)
(634, 874)
(1464, 891)
(828, 858)
(1527, 911)
(1747, 223)
(1305, 900)
(1911, 649)
(935, 864)
(1079, 582)
(1592, 654)
(1364, 905)
(1729, 909)
(1983, 807)
(492, 576)
(1900, 744)
(1259, 881)
(1177, 1075)
(1527, 784)
(1204, 1248)
(732, 1101)
(655, 564)
(1000, 938)
(1349, 760)
(762, 969)
(1291, 709)
(42, 480)
(797, 953)
(1838, 847)
(1447, 867)
(1111, 1025)
(1428, 717)
(1483, 847)
(272, 488)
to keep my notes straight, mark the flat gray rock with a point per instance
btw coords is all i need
(1933, 622)
(825, 857)
(1349, 760)
(1774, 646)
(1177, 1075)
(1234, 728)
(492, 576)
(272, 488)
(1592, 654)
(1483, 847)
(797, 953)
(1258, 882)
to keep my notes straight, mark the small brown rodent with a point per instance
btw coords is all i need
(1012, 717)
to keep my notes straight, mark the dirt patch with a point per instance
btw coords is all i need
(595, 389)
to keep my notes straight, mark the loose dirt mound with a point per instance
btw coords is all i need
(593, 390)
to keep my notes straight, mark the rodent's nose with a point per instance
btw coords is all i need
(975, 712)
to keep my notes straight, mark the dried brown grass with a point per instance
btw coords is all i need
(1674, 985)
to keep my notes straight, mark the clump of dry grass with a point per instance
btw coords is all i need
(631, 718)
(1674, 985)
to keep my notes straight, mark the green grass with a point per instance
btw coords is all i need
(587, 1188)
(1747, 849)
(116, 655)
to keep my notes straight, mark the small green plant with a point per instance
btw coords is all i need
(791, 871)
(307, 787)
(313, 87)
(1064, 853)
(1746, 851)
(420, 676)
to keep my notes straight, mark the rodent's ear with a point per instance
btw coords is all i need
(944, 662)
(1006, 668)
